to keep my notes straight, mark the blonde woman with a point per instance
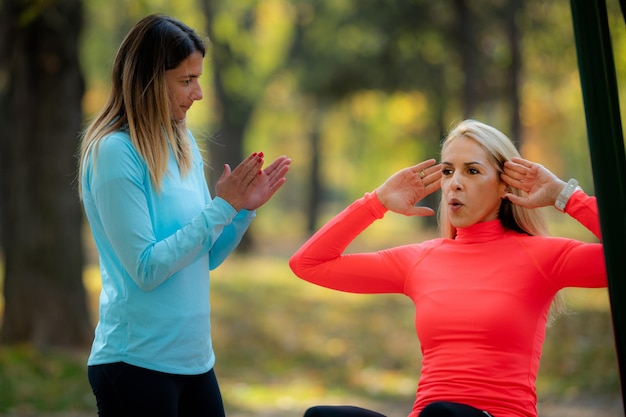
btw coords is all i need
(157, 229)
(483, 291)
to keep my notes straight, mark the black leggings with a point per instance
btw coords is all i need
(436, 409)
(124, 390)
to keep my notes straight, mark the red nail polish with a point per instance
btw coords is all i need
(261, 154)
(260, 160)
(254, 154)
(260, 172)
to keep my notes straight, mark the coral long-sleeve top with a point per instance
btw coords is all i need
(481, 299)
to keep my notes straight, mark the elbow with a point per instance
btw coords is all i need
(213, 264)
(312, 272)
(304, 271)
(294, 265)
(147, 283)
(149, 277)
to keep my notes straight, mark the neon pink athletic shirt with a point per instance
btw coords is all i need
(481, 300)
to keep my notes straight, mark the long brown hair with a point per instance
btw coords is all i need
(139, 100)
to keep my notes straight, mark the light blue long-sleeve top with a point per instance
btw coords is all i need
(156, 248)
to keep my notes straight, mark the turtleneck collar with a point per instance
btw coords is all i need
(481, 232)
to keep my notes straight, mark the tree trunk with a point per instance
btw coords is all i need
(464, 35)
(513, 8)
(45, 302)
(226, 146)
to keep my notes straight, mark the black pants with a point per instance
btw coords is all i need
(123, 390)
(436, 409)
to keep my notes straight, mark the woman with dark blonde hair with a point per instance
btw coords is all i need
(483, 290)
(157, 229)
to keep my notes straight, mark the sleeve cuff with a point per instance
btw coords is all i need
(374, 204)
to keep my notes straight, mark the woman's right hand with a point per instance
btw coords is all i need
(237, 185)
(403, 190)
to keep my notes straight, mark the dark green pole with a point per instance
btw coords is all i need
(606, 146)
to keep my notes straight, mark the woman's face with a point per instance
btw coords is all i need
(471, 184)
(183, 85)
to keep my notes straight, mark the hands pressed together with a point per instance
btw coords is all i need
(403, 190)
(249, 186)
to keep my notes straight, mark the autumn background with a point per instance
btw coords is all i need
(351, 90)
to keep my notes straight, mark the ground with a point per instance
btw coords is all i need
(571, 408)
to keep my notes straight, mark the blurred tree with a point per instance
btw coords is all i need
(464, 37)
(230, 67)
(246, 52)
(342, 48)
(487, 38)
(40, 105)
(513, 10)
(455, 48)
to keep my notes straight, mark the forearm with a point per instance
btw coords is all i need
(584, 209)
(230, 238)
(147, 255)
(321, 261)
(211, 231)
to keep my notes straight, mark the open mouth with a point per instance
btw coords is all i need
(455, 204)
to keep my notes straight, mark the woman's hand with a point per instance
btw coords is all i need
(269, 181)
(541, 185)
(403, 190)
(236, 186)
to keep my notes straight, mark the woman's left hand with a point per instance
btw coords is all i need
(272, 178)
(541, 185)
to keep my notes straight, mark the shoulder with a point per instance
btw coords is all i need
(116, 148)
(546, 245)
(415, 249)
(435, 243)
(115, 156)
(115, 142)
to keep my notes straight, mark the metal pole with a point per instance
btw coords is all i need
(606, 145)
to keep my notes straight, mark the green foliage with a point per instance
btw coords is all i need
(343, 47)
(357, 60)
(580, 347)
(256, 35)
(34, 380)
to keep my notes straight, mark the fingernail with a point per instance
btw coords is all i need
(261, 154)
(254, 154)
(260, 172)
(260, 160)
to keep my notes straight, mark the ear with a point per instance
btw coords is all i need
(504, 189)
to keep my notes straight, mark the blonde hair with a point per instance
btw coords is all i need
(139, 98)
(524, 220)
(500, 149)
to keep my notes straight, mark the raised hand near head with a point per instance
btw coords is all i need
(403, 190)
(541, 185)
